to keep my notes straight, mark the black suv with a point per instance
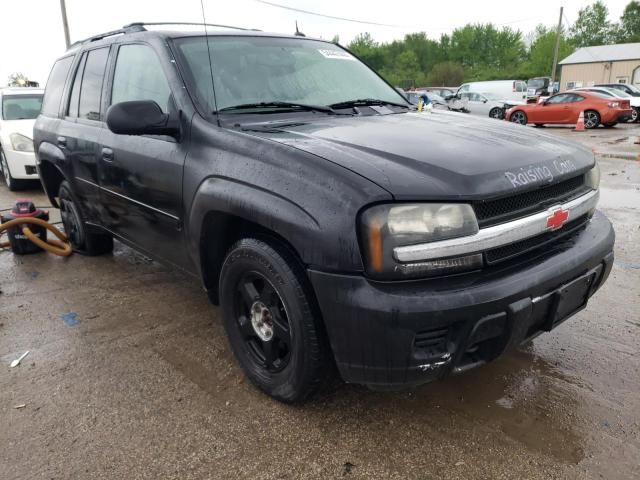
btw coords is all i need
(334, 224)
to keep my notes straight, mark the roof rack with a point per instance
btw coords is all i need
(126, 29)
(139, 27)
(142, 24)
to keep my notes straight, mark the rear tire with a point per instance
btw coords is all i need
(591, 119)
(519, 117)
(11, 183)
(83, 240)
(270, 317)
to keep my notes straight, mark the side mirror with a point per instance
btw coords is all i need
(140, 117)
(484, 101)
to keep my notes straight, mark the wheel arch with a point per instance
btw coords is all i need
(219, 232)
(49, 170)
(224, 210)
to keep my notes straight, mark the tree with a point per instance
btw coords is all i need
(593, 27)
(446, 74)
(540, 58)
(365, 47)
(19, 79)
(629, 29)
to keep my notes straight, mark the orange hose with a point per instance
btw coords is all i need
(59, 247)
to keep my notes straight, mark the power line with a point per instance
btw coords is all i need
(344, 19)
(364, 22)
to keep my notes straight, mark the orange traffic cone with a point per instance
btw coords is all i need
(580, 124)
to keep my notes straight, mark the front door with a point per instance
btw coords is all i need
(556, 109)
(141, 176)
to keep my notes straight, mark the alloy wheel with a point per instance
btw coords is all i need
(519, 117)
(496, 113)
(262, 320)
(634, 115)
(591, 119)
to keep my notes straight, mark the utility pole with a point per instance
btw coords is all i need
(65, 24)
(555, 53)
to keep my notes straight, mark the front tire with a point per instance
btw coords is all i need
(82, 239)
(591, 119)
(11, 183)
(635, 115)
(271, 320)
(519, 117)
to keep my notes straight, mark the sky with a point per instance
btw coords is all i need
(31, 34)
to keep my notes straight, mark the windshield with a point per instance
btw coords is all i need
(633, 88)
(250, 70)
(536, 83)
(619, 93)
(21, 107)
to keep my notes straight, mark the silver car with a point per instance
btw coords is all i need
(487, 104)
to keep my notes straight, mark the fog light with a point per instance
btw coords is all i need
(441, 266)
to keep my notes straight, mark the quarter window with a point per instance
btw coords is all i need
(72, 110)
(139, 76)
(55, 86)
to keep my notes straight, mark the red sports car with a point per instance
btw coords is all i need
(565, 108)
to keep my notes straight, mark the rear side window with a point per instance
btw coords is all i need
(139, 76)
(87, 85)
(55, 87)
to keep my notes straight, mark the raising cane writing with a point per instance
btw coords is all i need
(539, 173)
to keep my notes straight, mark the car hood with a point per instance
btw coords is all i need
(23, 127)
(437, 156)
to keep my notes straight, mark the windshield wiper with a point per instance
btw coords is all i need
(278, 105)
(365, 102)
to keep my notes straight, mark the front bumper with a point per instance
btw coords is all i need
(403, 333)
(22, 165)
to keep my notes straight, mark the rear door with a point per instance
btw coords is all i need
(141, 176)
(475, 103)
(82, 128)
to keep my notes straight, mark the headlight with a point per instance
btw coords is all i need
(592, 177)
(20, 143)
(384, 227)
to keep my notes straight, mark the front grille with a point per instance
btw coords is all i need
(506, 252)
(501, 210)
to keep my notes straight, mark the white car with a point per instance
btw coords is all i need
(487, 104)
(19, 108)
(615, 93)
(511, 90)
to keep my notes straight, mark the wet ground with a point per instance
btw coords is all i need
(140, 383)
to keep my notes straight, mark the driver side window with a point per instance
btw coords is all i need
(139, 76)
(562, 98)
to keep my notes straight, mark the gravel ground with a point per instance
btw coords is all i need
(143, 384)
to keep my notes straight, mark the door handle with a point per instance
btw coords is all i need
(107, 155)
(62, 142)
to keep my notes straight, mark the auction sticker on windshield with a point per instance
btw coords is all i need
(337, 54)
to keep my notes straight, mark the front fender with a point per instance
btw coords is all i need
(270, 210)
